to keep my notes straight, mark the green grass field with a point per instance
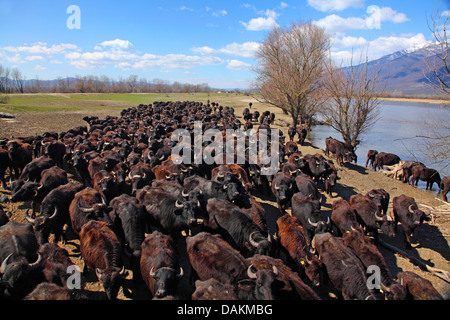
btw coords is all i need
(45, 102)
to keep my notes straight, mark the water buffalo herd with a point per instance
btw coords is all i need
(192, 230)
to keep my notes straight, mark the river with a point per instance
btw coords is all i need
(397, 120)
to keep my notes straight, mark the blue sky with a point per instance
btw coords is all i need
(210, 42)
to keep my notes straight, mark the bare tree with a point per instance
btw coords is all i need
(436, 140)
(18, 80)
(436, 60)
(352, 107)
(291, 63)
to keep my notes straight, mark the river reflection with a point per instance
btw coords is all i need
(398, 120)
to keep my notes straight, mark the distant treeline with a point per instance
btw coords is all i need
(12, 81)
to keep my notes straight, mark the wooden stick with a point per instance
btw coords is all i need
(442, 274)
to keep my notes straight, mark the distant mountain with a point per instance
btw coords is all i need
(403, 72)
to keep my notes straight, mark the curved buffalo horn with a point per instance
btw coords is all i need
(85, 210)
(239, 176)
(250, 273)
(152, 273)
(220, 175)
(371, 195)
(55, 214)
(314, 224)
(184, 194)
(178, 204)
(251, 240)
(275, 270)
(98, 272)
(161, 158)
(353, 228)
(129, 176)
(27, 216)
(168, 176)
(122, 271)
(37, 263)
(4, 264)
(276, 187)
(410, 210)
(378, 218)
(308, 261)
(181, 273)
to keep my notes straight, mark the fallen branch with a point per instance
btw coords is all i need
(442, 274)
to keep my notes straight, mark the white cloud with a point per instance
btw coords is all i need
(258, 24)
(39, 67)
(184, 8)
(347, 42)
(246, 49)
(129, 61)
(238, 65)
(335, 5)
(116, 44)
(217, 13)
(334, 23)
(34, 58)
(42, 48)
(344, 48)
(388, 14)
(261, 23)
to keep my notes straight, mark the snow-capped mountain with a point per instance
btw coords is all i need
(404, 71)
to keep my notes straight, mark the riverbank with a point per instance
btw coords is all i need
(417, 100)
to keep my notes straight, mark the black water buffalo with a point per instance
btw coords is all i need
(444, 187)
(408, 213)
(130, 224)
(5, 163)
(340, 150)
(371, 154)
(236, 227)
(101, 251)
(87, 205)
(385, 159)
(417, 287)
(425, 174)
(343, 216)
(213, 257)
(345, 270)
(54, 212)
(21, 262)
(159, 264)
(307, 212)
(282, 185)
(140, 175)
(369, 255)
(173, 215)
(370, 216)
(20, 154)
(381, 198)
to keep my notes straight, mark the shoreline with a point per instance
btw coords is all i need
(417, 100)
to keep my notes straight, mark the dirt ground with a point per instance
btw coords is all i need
(430, 241)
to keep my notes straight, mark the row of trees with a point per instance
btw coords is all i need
(296, 73)
(12, 81)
